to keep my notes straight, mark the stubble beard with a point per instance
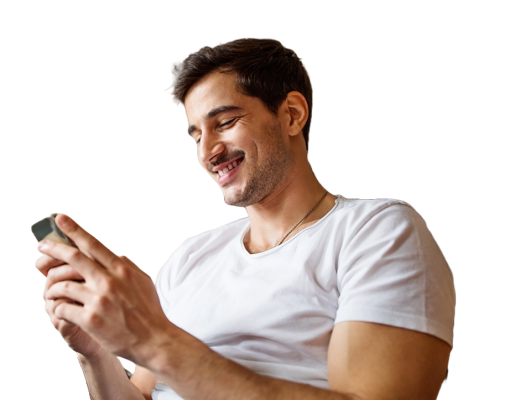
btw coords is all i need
(264, 177)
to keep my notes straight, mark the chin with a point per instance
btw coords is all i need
(238, 201)
(245, 197)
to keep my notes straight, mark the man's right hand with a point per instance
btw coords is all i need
(76, 338)
(104, 373)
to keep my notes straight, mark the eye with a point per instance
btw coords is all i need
(197, 140)
(228, 123)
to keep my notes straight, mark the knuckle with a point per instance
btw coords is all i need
(92, 319)
(45, 263)
(66, 286)
(37, 262)
(51, 278)
(74, 255)
(100, 302)
(108, 284)
(56, 274)
(125, 260)
(124, 272)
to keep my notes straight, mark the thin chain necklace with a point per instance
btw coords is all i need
(302, 219)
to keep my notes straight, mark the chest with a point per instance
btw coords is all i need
(222, 295)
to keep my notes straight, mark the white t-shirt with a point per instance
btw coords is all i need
(273, 312)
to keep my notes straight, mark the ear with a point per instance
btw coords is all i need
(297, 109)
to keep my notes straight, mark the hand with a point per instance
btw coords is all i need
(115, 304)
(75, 337)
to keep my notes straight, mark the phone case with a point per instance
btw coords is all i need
(47, 229)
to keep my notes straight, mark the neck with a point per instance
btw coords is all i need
(273, 217)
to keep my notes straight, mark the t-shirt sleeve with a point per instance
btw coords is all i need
(391, 271)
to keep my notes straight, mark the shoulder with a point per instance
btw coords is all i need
(390, 221)
(356, 215)
(205, 243)
(366, 208)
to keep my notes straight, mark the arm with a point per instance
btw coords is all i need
(121, 311)
(377, 361)
(116, 305)
(366, 362)
(145, 381)
(106, 379)
(196, 372)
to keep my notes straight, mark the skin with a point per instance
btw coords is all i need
(280, 158)
(105, 306)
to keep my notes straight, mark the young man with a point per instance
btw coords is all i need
(313, 296)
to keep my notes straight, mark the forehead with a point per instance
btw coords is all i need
(213, 91)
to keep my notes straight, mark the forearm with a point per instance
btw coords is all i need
(107, 379)
(198, 373)
(222, 379)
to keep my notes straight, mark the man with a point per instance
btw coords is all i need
(313, 296)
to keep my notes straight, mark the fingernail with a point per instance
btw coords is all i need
(43, 245)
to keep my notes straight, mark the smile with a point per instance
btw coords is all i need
(227, 170)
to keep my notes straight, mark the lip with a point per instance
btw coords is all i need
(225, 178)
(225, 164)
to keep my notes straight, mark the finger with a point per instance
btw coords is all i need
(71, 290)
(86, 267)
(45, 263)
(65, 328)
(86, 241)
(71, 313)
(61, 273)
(50, 305)
(127, 261)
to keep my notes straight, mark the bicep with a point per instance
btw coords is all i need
(144, 380)
(376, 361)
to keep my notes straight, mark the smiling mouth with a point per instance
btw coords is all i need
(230, 167)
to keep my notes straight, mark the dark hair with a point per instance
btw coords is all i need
(265, 69)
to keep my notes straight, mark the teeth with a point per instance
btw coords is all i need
(228, 168)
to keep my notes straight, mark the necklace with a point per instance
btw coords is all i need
(302, 219)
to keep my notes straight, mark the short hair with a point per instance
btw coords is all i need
(264, 68)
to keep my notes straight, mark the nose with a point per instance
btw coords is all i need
(209, 147)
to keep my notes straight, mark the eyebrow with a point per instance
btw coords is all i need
(213, 113)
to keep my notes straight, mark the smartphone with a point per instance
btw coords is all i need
(47, 229)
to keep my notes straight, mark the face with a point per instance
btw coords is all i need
(239, 142)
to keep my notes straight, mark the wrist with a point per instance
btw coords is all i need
(92, 358)
(174, 355)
